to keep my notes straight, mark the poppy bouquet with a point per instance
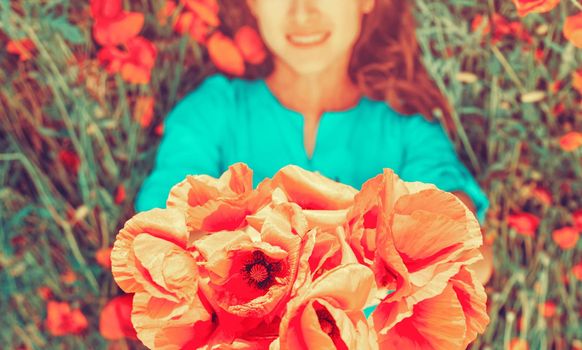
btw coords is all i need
(297, 262)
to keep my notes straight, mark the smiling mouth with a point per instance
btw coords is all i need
(308, 40)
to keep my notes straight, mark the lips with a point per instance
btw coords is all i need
(304, 40)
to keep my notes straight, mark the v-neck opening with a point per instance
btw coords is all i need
(301, 120)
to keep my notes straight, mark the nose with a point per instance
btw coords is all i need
(302, 12)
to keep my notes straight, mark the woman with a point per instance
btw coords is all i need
(326, 100)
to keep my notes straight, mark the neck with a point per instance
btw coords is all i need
(313, 94)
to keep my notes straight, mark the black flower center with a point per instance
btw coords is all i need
(259, 271)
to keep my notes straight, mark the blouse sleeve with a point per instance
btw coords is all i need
(429, 156)
(192, 142)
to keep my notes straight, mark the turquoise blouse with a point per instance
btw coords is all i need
(225, 121)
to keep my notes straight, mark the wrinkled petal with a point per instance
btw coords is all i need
(165, 224)
(313, 191)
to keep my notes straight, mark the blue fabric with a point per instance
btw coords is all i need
(225, 121)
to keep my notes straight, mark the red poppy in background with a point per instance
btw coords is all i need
(571, 141)
(112, 58)
(70, 161)
(23, 48)
(197, 19)
(143, 111)
(543, 195)
(565, 237)
(113, 25)
(189, 23)
(115, 319)
(103, 257)
(225, 54)
(577, 271)
(524, 223)
(573, 29)
(250, 44)
(525, 7)
(62, 320)
(577, 218)
(119, 194)
(518, 344)
(547, 309)
(166, 11)
(206, 10)
(142, 57)
(134, 63)
(502, 27)
(44, 292)
(119, 30)
(105, 8)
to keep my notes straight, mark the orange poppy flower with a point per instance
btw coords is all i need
(115, 319)
(547, 309)
(150, 258)
(518, 344)
(248, 275)
(218, 204)
(225, 55)
(189, 23)
(62, 320)
(118, 30)
(445, 316)
(408, 229)
(573, 29)
(525, 7)
(163, 325)
(313, 191)
(565, 237)
(206, 10)
(524, 223)
(329, 252)
(577, 80)
(250, 44)
(329, 314)
(143, 112)
(571, 141)
(149, 255)
(577, 218)
(103, 257)
(23, 48)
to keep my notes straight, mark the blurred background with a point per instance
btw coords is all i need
(82, 107)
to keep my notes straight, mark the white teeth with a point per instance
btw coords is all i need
(307, 39)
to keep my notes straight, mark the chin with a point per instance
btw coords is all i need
(309, 68)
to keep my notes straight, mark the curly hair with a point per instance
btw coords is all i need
(385, 63)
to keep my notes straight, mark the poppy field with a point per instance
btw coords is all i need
(85, 87)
